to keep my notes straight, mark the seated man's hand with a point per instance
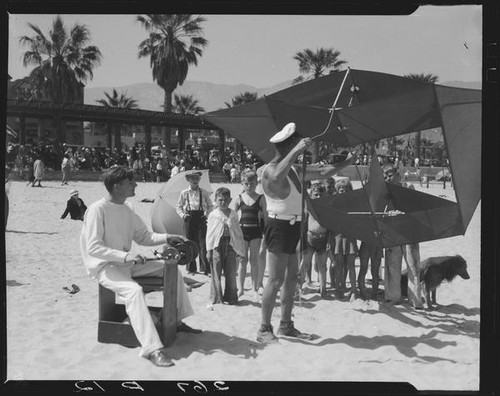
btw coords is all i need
(135, 258)
(173, 239)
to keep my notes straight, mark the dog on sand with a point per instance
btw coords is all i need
(432, 272)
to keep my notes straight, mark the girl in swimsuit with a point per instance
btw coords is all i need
(251, 207)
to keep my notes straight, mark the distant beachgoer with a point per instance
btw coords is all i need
(175, 170)
(65, 168)
(74, 206)
(38, 172)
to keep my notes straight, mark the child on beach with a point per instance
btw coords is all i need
(316, 245)
(373, 254)
(251, 208)
(224, 243)
(329, 185)
(344, 252)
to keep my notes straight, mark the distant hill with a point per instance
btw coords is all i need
(462, 84)
(211, 97)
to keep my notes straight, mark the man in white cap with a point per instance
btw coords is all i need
(281, 186)
(75, 206)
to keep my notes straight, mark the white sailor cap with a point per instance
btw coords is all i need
(287, 131)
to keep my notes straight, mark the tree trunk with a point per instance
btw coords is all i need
(222, 144)
(109, 132)
(418, 143)
(182, 139)
(147, 133)
(118, 139)
(167, 131)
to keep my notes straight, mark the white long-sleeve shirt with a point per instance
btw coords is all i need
(107, 234)
(215, 230)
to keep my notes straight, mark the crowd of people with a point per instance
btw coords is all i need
(158, 166)
(262, 230)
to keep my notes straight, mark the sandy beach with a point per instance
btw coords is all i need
(52, 335)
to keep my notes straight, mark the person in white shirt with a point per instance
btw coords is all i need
(224, 243)
(110, 225)
(175, 170)
(193, 206)
(65, 168)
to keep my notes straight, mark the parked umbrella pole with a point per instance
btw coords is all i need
(303, 222)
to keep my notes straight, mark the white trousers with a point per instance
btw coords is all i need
(119, 279)
(393, 261)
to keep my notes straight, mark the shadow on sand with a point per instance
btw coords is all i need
(210, 342)
(32, 232)
(404, 345)
(445, 318)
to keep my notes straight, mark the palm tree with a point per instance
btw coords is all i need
(425, 78)
(187, 105)
(175, 42)
(64, 61)
(314, 64)
(123, 102)
(238, 100)
(242, 98)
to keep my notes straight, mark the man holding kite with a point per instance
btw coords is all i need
(282, 188)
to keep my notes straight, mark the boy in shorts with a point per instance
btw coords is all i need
(316, 242)
(224, 243)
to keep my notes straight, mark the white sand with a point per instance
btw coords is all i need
(53, 334)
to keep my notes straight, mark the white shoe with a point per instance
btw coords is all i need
(210, 307)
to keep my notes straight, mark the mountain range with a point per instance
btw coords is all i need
(149, 96)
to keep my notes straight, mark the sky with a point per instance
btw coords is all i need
(258, 50)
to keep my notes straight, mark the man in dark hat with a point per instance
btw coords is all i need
(75, 206)
(193, 206)
(282, 188)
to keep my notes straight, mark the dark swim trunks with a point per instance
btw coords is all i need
(251, 232)
(281, 236)
(316, 241)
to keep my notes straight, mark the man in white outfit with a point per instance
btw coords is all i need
(110, 226)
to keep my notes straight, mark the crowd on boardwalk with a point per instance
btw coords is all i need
(159, 166)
